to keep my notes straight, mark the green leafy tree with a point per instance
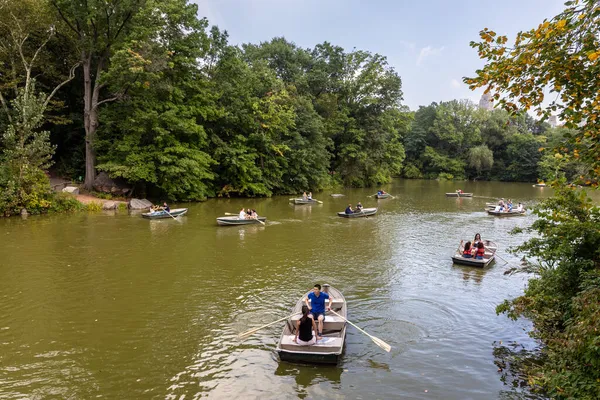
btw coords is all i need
(26, 150)
(152, 137)
(563, 298)
(561, 56)
(481, 158)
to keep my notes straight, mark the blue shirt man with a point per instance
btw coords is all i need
(317, 306)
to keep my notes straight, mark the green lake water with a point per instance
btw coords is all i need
(110, 305)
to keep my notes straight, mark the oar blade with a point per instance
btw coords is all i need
(383, 345)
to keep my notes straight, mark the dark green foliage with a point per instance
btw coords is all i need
(563, 300)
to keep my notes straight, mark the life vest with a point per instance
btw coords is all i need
(480, 252)
(465, 251)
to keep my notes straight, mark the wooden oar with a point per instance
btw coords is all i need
(375, 340)
(251, 331)
(231, 214)
(171, 215)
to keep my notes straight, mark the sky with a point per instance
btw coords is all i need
(425, 41)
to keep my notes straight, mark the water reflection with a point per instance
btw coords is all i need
(309, 376)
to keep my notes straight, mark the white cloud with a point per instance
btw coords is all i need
(428, 52)
(455, 83)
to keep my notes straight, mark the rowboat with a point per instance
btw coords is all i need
(163, 214)
(237, 221)
(539, 185)
(327, 350)
(473, 262)
(364, 213)
(383, 196)
(337, 195)
(457, 194)
(489, 256)
(505, 213)
(302, 201)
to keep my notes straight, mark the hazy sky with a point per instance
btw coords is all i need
(426, 41)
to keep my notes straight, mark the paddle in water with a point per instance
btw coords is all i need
(383, 345)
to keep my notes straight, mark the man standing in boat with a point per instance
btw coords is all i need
(317, 306)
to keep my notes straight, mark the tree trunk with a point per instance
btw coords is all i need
(90, 158)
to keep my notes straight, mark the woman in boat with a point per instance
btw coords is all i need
(309, 197)
(349, 209)
(476, 240)
(305, 328)
(467, 250)
(242, 214)
(304, 196)
(480, 251)
(520, 208)
(359, 207)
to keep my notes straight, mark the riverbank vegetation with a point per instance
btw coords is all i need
(561, 56)
(148, 92)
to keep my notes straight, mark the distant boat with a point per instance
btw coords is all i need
(303, 201)
(505, 213)
(337, 195)
(237, 221)
(383, 196)
(457, 194)
(329, 349)
(539, 185)
(163, 214)
(364, 213)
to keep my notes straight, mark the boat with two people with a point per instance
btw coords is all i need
(470, 254)
(325, 347)
(382, 194)
(242, 218)
(306, 199)
(158, 212)
(357, 212)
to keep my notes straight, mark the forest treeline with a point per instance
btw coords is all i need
(147, 91)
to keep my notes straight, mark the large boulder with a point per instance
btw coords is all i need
(137, 204)
(104, 183)
(71, 189)
(109, 205)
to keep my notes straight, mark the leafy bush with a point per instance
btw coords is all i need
(563, 300)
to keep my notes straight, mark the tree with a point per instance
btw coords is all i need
(99, 28)
(563, 298)
(152, 136)
(26, 151)
(481, 158)
(560, 56)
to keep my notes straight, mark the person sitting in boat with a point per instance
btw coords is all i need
(520, 207)
(304, 196)
(317, 306)
(379, 193)
(466, 250)
(480, 251)
(309, 197)
(242, 214)
(358, 208)
(254, 214)
(476, 240)
(501, 202)
(166, 207)
(349, 209)
(304, 329)
(509, 206)
(459, 191)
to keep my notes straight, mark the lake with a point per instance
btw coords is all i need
(112, 305)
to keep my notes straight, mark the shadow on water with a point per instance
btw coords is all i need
(308, 376)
